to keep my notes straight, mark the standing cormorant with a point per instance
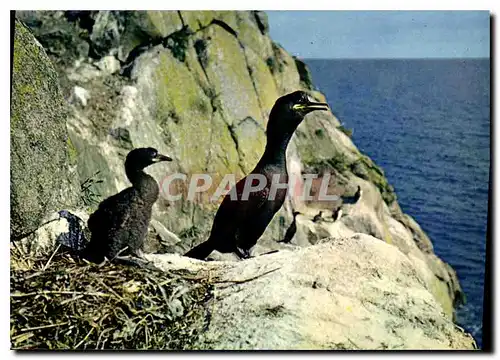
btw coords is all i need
(336, 214)
(318, 217)
(239, 224)
(353, 199)
(292, 229)
(122, 220)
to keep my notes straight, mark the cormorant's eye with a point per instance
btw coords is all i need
(154, 153)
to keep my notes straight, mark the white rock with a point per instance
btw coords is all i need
(352, 293)
(168, 237)
(109, 64)
(79, 96)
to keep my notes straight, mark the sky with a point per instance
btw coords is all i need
(382, 34)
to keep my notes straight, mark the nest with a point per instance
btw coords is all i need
(59, 302)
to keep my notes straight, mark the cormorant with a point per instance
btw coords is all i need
(337, 214)
(353, 199)
(318, 217)
(290, 232)
(239, 224)
(122, 220)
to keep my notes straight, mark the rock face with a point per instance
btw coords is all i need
(349, 293)
(40, 158)
(199, 86)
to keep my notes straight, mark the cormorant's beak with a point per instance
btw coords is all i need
(311, 106)
(161, 157)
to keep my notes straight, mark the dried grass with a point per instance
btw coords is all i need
(59, 302)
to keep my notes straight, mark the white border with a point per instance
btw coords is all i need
(190, 5)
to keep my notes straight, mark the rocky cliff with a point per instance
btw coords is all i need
(199, 87)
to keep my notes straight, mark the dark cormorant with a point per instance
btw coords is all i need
(336, 214)
(239, 224)
(121, 221)
(318, 217)
(353, 199)
(290, 232)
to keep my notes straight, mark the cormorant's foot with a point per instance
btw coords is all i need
(139, 254)
(243, 253)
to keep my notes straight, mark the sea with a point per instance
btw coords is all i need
(426, 122)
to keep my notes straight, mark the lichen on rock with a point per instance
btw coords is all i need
(40, 173)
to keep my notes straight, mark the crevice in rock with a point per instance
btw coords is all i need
(262, 23)
(252, 120)
(225, 26)
(233, 32)
(236, 144)
(182, 19)
(176, 42)
(212, 95)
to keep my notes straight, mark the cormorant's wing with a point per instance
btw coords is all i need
(241, 209)
(111, 212)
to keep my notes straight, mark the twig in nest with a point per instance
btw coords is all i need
(18, 295)
(85, 338)
(50, 259)
(44, 327)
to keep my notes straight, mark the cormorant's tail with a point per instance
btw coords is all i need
(201, 251)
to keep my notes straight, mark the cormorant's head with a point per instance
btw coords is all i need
(297, 105)
(289, 110)
(141, 157)
(295, 213)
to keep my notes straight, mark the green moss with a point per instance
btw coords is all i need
(229, 77)
(366, 169)
(439, 290)
(163, 22)
(185, 113)
(276, 64)
(319, 133)
(190, 232)
(200, 46)
(39, 160)
(386, 233)
(304, 74)
(345, 130)
(177, 42)
(338, 162)
(263, 81)
(72, 152)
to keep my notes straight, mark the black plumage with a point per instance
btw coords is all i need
(292, 229)
(120, 223)
(353, 199)
(336, 214)
(318, 217)
(239, 223)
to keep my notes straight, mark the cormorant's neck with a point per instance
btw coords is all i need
(144, 183)
(275, 153)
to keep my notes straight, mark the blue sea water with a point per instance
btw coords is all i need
(427, 123)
